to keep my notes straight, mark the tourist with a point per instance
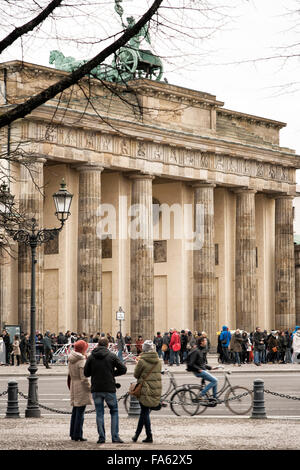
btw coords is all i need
(258, 345)
(158, 341)
(225, 338)
(16, 353)
(120, 345)
(148, 372)
(236, 347)
(139, 345)
(175, 346)
(296, 346)
(80, 390)
(103, 366)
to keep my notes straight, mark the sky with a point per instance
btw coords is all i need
(223, 65)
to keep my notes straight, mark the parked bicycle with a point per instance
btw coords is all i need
(237, 399)
(171, 387)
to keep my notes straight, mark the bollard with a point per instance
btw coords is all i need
(134, 407)
(12, 400)
(258, 410)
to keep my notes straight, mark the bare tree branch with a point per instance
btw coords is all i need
(28, 106)
(25, 28)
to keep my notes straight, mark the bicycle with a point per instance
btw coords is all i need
(237, 399)
(171, 387)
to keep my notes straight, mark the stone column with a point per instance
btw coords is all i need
(89, 250)
(204, 286)
(285, 316)
(245, 263)
(297, 283)
(5, 280)
(32, 205)
(141, 258)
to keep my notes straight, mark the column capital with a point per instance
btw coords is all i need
(141, 176)
(89, 167)
(284, 196)
(203, 184)
(244, 189)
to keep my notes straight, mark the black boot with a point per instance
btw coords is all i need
(148, 439)
(135, 438)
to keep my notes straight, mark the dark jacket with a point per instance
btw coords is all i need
(158, 341)
(197, 360)
(259, 341)
(103, 366)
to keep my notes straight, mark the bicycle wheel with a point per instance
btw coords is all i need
(239, 406)
(184, 401)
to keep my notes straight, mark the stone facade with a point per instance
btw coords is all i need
(163, 143)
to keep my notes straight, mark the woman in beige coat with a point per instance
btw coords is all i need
(80, 394)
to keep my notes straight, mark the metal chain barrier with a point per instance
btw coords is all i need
(3, 393)
(282, 395)
(62, 411)
(206, 401)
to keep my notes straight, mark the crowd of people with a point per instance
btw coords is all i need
(235, 347)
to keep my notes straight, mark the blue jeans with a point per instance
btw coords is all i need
(237, 358)
(112, 403)
(120, 355)
(213, 382)
(76, 424)
(174, 355)
(257, 356)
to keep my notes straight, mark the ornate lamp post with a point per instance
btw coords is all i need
(34, 237)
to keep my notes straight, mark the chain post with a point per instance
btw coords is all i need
(12, 400)
(258, 410)
(134, 407)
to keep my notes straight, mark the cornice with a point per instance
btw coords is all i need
(257, 120)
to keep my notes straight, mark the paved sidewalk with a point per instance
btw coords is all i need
(61, 369)
(176, 434)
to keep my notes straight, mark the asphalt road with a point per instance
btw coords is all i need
(53, 393)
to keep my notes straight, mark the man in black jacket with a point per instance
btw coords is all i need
(196, 363)
(103, 366)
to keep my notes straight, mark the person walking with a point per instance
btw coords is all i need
(103, 366)
(80, 389)
(47, 344)
(148, 372)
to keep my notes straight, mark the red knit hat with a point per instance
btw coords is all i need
(81, 346)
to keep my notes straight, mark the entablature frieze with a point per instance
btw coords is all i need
(155, 150)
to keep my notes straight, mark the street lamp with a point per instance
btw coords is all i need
(34, 237)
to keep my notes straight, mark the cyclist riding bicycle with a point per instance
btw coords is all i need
(196, 364)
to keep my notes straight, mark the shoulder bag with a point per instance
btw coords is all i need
(136, 388)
